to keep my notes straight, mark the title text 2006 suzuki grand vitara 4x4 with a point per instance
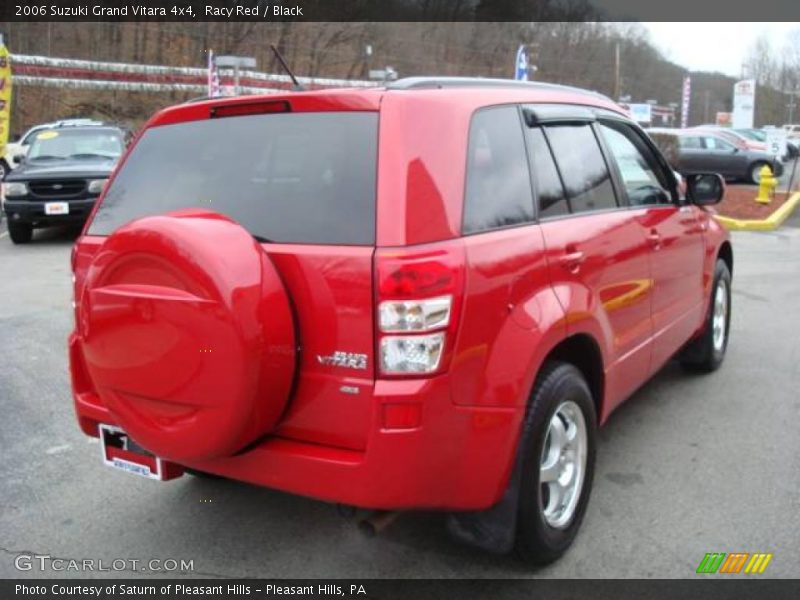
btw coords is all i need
(427, 295)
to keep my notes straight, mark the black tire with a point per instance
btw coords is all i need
(20, 233)
(754, 174)
(702, 354)
(3, 169)
(537, 541)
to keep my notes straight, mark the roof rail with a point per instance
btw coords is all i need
(421, 83)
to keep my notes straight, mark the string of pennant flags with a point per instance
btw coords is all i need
(71, 73)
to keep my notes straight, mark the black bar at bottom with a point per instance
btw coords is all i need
(712, 587)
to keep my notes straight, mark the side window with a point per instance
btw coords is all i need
(28, 139)
(549, 189)
(714, 143)
(582, 167)
(643, 180)
(498, 188)
(691, 142)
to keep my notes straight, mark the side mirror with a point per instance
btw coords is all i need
(19, 158)
(705, 189)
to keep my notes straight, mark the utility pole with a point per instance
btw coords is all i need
(616, 72)
(791, 106)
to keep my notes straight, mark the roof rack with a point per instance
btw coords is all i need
(421, 83)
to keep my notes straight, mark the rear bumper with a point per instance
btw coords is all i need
(32, 211)
(458, 458)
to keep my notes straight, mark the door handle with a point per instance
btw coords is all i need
(573, 260)
(654, 238)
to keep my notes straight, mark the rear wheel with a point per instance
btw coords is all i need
(755, 171)
(558, 447)
(707, 352)
(20, 233)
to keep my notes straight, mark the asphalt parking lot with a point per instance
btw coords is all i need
(691, 464)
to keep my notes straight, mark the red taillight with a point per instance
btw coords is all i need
(412, 276)
(418, 300)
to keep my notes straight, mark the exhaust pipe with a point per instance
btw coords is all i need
(377, 522)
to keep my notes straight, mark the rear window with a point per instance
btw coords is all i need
(292, 177)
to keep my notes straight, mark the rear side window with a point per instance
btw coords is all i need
(715, 143)
(690, 142)
(582, 167)
(498, 188)
(292, 177)
(549, 189)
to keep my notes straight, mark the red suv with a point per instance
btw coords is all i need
(427, 295)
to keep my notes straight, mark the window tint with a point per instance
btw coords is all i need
(638, 175)
(691, 142)
(291, 177)
(582, 167)
(549, 190)
(498, 189)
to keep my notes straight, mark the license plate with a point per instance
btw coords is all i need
(56, 208)
(120, 453)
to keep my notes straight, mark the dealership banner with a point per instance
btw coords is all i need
(686, 98)
(521, 64)
(5, 96)
(744, 103)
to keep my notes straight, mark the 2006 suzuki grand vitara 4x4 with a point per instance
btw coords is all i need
(427, 295)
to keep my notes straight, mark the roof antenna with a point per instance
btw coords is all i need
(297, 86)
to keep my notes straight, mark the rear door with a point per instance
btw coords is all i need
(303, 184)
(694, 158)
(674, 234)
(598, 255)
(723, 157)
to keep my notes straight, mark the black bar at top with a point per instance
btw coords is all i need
(400, 10)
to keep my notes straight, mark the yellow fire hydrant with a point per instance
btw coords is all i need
(766, 185)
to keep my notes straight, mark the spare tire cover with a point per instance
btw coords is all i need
(188, 334)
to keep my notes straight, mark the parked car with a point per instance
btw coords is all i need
(702, 151)
(760, 135)
(18, 148)
(756, 139)
(735, 138)
(435, 313)
(60, 179)
(793, 130)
